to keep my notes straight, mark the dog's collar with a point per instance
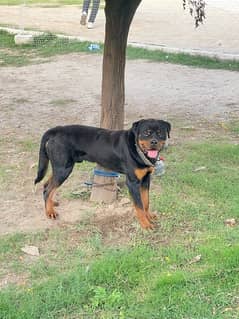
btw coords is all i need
(143, 157)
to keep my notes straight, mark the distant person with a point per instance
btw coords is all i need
(94, 11)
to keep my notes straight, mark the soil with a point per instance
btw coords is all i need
(66, 90)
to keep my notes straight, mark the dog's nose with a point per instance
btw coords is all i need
(154, 142)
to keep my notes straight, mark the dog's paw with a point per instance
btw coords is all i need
(52, 215)
(152, 216)
(145, 224)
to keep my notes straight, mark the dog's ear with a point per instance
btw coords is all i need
(167, 125)
(135, 126)
(168, 128)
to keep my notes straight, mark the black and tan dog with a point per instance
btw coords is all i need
(132, 152)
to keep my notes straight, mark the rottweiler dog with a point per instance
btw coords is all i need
(132, 152)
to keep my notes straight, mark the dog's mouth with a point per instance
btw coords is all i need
(152, 153)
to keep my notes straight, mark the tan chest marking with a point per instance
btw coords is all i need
(141, 172)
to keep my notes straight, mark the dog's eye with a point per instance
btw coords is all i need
(147, 132)
(158, 132)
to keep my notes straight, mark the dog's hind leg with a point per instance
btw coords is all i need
(49, 202)
(45, 192)
(58, 177)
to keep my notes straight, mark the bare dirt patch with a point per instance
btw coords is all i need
(66, 90)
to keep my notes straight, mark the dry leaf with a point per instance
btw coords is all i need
(33, 165)
(196, 259)
(124, 201)
(201, 168)
(31, 250)
(223, 125)
(230, 222)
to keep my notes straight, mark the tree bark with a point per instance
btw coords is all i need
(119, 15)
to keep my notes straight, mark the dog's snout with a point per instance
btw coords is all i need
(154, 142)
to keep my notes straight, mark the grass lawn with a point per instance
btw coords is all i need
(187, 268)
(41, 2)
(48, 45)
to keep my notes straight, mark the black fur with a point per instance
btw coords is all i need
(63, 146)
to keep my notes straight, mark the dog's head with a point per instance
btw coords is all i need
(151, 136)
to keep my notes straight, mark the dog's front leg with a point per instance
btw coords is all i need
(140, 199)
(144, 189)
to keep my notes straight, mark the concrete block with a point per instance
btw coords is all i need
(23, 39)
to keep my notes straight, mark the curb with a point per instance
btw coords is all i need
(148, 46)
(194, 52)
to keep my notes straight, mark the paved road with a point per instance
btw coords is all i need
(231, 6)
(156, 23)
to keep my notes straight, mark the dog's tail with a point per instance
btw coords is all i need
(43, 159)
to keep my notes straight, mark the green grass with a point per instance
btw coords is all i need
(7, 175)
(43, 47)
(41, 2)
(48, 45)
(136, 283)
(28, 145)
(234, 126)
(62, 102)
(153, 275)
(181, 58)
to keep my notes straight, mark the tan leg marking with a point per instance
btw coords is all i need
(50, 212)
(142, 218)
(145, 200)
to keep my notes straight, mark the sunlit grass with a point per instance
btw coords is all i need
(155, 275)
(48, 45)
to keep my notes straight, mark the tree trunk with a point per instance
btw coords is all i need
(119, 14)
